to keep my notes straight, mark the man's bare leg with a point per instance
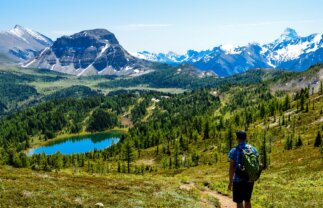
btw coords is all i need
(239, 205)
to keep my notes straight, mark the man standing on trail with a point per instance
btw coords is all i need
(240, 180)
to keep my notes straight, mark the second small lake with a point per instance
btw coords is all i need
(78, 144)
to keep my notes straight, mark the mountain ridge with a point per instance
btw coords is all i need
(21, 44)
(289, 51)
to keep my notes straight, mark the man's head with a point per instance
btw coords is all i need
(241, 135)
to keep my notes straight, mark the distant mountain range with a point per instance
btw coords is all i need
(20, 44)
(289, 51)
(98, 52)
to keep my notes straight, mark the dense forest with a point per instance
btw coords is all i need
(175, 125)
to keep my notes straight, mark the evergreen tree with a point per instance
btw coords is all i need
(207, 130)
(318, 140)
(57, 161)
(264, 156)
(195, 158)
(119, 167)
(176, 156)
(299, 142)
(101, 120)
(262, 110)
(302, 102)
(128, 153)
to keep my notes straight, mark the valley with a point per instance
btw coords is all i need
(174, 150)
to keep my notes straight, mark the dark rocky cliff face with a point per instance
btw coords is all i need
(93, 50)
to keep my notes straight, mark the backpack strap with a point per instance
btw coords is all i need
(241, 154)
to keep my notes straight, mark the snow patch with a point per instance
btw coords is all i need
(104, 49)
(84, 70)
(43, 51)
(52, 68)
(270, 64)
(128, 68)
(318, 38)
(263, 50)
(229, 49)
(290, 52)
(18, 32)
(37, 35)
(30, 63)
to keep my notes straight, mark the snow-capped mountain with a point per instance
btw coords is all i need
(21, 44)
(89, 52)
(289, 51)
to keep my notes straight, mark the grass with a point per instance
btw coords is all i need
(25, 188)
(294, 177)
(47, 82)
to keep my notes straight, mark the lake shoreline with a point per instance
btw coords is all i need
(60, 137)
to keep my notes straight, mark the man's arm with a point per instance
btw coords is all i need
(231, 173)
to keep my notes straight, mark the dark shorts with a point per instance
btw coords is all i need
(242, 191)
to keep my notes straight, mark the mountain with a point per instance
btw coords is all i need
(20, 44)
(289, 51)
(89, 52)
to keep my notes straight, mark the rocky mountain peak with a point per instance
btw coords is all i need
(89, 52)
(288, 51)
(21, 44)
(99, 34)
(289, 34)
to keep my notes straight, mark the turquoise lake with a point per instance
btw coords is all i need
(78, 144)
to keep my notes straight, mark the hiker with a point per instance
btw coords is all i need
(241, 182)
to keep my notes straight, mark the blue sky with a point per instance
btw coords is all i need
(168, 25)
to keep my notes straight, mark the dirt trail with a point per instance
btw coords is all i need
(225, 201)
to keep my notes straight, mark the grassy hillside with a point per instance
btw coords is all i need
(175, 147)
(26, 188)
(22, 87)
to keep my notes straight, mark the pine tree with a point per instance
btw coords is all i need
(321, 87)
(262, 110)
(176, 156)
(128, 153)
(119, 167)
(264, 152)
(58, 161)
(299, 142)
(74, 167)
(318, 140)
(195, 158)
(288, 144)
(207, 130)
(302, 101)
